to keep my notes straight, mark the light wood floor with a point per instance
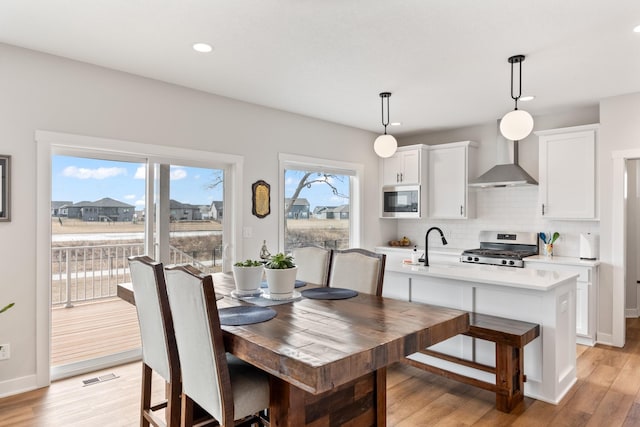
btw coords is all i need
(606, 394)
(93, 329)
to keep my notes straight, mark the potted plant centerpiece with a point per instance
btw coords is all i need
(281, 276)
(248, 277)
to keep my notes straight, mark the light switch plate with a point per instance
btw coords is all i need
(5, 351)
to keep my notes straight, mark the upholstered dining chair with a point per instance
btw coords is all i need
(357, 269)
(159, 350)
(223, 385)
(313, 264)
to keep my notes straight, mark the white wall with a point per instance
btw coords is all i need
(508, 209)
(619, 130)
(501, 209)
(43, 92)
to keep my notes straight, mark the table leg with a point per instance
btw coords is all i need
(361, 402)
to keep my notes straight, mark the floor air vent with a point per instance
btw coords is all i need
(100, 379)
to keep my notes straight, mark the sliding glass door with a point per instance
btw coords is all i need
(106, 207)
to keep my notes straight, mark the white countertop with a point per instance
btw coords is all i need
(445, 250)
(562, 260)
(440, 250)
(523, 278)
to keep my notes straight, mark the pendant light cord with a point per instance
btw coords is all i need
(383, 96)
(519, 61)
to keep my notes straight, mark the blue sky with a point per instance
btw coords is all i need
(82, 179)
(78, 179)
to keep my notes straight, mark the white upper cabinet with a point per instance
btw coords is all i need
(568, 173)
(404, 167)
(448, 174)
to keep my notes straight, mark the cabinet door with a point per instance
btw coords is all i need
(568, 175)
(391, 169)
(447, 183)
(410, 167)
(402, 168)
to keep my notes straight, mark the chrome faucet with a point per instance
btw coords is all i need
(426, 244)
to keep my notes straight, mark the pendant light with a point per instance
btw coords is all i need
(517, 124)
(385, 145)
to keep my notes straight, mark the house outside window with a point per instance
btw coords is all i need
(318, 197)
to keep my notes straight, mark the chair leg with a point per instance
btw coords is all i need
(145, 397)
(187, 411)
(174, 389)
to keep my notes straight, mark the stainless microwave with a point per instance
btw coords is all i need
(401, 201)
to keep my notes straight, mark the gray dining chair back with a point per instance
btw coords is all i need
(313, 264)
(223, 385)
(357, 269)
(159, 351)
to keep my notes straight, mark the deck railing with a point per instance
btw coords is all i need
(85, 273)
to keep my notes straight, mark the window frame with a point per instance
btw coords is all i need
(54, 143)
(354, 170)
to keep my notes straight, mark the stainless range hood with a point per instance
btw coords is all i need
(505, 175)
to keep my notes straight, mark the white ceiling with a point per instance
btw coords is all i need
(445, 61)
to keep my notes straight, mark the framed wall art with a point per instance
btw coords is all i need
(261, 199)
(5, 188)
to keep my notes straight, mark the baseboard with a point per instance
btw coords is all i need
(18, 385)
(631, 313)
(79, 368)
(606, 339)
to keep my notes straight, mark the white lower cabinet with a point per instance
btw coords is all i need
(586, 292)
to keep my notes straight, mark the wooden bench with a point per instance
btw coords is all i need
(510, 337)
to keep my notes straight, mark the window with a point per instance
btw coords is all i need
(319, 203)
(154, 164)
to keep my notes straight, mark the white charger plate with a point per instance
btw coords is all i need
(293, 296)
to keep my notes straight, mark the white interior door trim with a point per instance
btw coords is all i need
(618, 244)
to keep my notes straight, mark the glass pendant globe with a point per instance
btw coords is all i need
(516, 125)
(385, 146)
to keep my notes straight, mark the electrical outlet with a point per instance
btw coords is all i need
(247, 232)
(5, 351)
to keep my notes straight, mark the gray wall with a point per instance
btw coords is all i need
(44, 92)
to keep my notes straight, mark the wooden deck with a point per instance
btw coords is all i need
(93, 329)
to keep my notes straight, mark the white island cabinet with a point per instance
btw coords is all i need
(547, 298)
(586, 292)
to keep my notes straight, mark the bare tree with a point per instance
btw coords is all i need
(307, 180)
(217, 178)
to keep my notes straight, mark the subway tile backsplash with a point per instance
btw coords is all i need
(501, 209)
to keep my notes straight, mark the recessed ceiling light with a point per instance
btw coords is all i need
(636, 29)
(396, 124)
(202, 47)
(526, 98)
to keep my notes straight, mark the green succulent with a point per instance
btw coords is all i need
(248, 263)
(280, 261)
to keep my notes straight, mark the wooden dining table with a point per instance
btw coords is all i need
(327, 358)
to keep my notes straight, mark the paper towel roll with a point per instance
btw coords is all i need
(589, 246)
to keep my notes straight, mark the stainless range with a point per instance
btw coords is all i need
(502, 248)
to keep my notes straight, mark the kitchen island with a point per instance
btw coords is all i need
(547, 298)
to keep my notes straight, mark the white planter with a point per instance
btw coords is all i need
(281, 282)
(248, 279)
